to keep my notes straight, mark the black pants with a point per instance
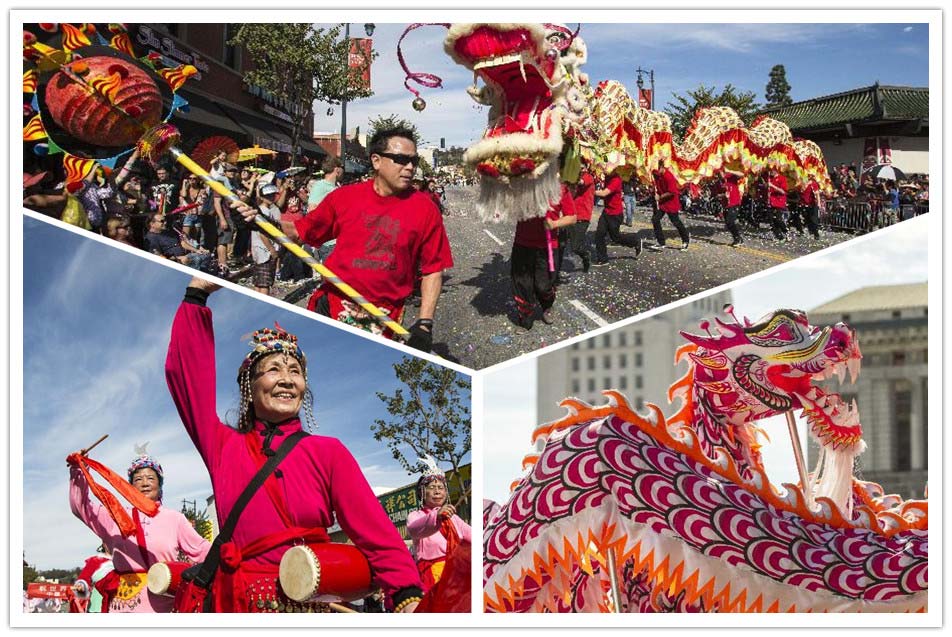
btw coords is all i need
(611, 225)
(811, 215)
(209, 225)
(531, 280)
(675, 220)
(776, 221)
(730, 218)
(575, 239)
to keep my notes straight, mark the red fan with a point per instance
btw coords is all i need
(207, 149)
(452, 593)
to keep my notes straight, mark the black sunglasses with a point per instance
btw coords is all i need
(401, 159)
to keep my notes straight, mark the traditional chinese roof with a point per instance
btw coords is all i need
(879, 297)
(864, 105)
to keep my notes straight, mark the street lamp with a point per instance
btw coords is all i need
(369, 30)
(641, 84)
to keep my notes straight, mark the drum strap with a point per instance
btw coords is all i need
(209, 567)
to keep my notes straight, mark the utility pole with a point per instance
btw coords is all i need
(343, 101)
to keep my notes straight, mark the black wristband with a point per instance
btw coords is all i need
(423, 322)
(196, 296)
(406, 593)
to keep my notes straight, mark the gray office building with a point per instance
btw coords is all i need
(636, 359)
(891, 322)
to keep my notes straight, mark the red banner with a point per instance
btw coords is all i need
(885, 152)
(359, 58)
(870, 153)
(644, 97)
(45, 590)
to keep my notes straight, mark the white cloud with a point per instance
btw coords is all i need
(907, 29)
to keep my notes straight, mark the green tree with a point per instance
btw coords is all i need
(199, 519)
(684, 107)
(778, 89)
(430, 417)
(29, 574)
(392, 121)
(301, 64)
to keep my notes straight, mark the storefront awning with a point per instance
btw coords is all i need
(204, 112)
(262, 132)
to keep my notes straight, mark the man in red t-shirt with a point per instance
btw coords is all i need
(386, 233)
(609, 223)
(810, 207)
(777, 200)
(533, 265)
(575, 237)
(667, 202)
(730, 197)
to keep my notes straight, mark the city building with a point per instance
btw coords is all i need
(870, 125)
(891, 322)
(636, 359)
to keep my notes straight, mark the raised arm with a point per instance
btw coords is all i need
(92, 514)
(190, 370)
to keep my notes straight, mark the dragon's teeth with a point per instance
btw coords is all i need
(841, 372)
(853, 364)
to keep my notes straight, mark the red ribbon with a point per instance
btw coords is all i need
(230, 555)
(131, 494)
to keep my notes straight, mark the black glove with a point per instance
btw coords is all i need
(421, 335)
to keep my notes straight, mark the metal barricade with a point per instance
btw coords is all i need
(841, 214)
(907, 211)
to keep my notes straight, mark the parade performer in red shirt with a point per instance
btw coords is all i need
(667, 196)
(386, 232)
(317, 484)
(777, 200)
(136, 538)
(810, 207)
(730, 196)
(535, 255)
(609, 223)
(576, 236)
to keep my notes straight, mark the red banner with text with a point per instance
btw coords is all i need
(359, 60)
(644, 97)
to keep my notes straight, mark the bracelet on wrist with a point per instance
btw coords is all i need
(399, 607)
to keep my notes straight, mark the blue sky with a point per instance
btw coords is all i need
(96, 324)
(820, 59)
(894, 256)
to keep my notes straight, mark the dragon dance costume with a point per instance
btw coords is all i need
(318, 482)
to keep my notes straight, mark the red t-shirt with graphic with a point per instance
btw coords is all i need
(532, 233)
(808, 196)
(777, 199)
(613, 202)
(381, 241)
(585, 197)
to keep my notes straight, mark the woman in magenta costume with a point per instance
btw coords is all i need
(425, 526)
(318, 482)
(157, 539)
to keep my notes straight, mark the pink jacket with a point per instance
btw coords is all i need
(320, 479)
(424, 527)
(165, 535)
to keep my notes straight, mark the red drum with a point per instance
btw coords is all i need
(324, 572)
(165, 578)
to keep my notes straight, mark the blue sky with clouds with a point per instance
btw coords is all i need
(890, 257)
(96, 323)
(820, 59)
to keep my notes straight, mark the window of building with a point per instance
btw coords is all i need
(898, 359)
(637, 338)
(575, 364)
(576, 387)
(591, 343)
(639, 382)
(606, 340)
(846, 317)
(897, 314)
(902, 430)
(575, 346)
(622, 339)
(638, 359)
(607, 361)
(623, 361)
(623, 382)
(231, 56)
(591, 384)
(606, 383)
(591, 363)
(639, 403)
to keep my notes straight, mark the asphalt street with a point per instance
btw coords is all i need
(475, 317)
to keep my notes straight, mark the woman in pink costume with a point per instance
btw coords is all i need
(156, 539)
(317, 483)
(425, 526)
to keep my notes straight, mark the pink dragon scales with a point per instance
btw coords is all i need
(677, 514)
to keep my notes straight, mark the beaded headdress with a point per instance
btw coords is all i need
(271, 341)
(431, 473)
(144, 461)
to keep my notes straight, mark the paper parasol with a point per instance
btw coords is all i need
(208, 148)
